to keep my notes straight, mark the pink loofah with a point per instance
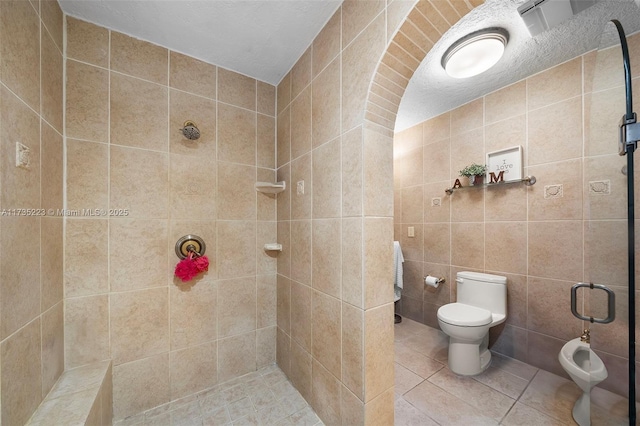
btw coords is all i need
(186, 269)
(202, 263)
(189, 267)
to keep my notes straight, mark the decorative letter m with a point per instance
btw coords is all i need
(496, 179)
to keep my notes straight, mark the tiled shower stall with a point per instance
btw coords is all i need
(125, 103)
(100, 113)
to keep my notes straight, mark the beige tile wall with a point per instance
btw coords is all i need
(310, 306)
(126, 101)
(335, 322)
(31, 292)
(566, 121)
(31, 275)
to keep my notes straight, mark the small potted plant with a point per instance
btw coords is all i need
(475, 173)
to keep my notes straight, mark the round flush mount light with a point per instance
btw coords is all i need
(475, 53)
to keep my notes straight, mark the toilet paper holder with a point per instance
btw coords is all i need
(434, 281)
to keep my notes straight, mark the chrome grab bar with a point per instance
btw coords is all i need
(611, 303)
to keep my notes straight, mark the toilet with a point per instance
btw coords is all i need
(481, 304)
(587, 370)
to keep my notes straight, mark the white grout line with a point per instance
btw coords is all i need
(109, 277)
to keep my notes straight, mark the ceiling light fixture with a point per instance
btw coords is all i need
(475, 53)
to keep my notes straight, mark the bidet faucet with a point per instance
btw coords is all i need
(586, 336)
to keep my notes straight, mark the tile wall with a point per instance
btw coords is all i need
(542, 240)
(126, 101)
(31, 111)
(335, 312)
(335, 111)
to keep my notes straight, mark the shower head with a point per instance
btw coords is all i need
(190, 130)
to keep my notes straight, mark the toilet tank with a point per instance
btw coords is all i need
(482, 290)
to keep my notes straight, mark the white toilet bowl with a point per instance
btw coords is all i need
(468, 331)
(587, 370)
(481, 304)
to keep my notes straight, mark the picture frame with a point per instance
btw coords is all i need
(508, 161)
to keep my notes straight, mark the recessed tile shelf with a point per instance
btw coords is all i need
(270, 188)
(528, 180)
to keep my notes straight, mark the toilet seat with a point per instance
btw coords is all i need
(464, 315)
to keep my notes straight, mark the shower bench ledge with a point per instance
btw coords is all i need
(81, 396)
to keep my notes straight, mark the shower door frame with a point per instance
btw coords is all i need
(629, 137)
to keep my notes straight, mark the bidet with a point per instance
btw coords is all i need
(586, 369)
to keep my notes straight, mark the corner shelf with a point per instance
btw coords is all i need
(273, 247)
(528, 180)
(270, 188)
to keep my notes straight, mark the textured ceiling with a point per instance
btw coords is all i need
(431, 91)
(264, 38)
(259, 38)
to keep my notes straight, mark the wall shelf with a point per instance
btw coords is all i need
(273, 247)
(270, 187)
(528, 180)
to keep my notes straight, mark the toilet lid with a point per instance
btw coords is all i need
(464, 315)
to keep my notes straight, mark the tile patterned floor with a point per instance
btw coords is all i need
(509, 392)
(265, 397)
(427, 393)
